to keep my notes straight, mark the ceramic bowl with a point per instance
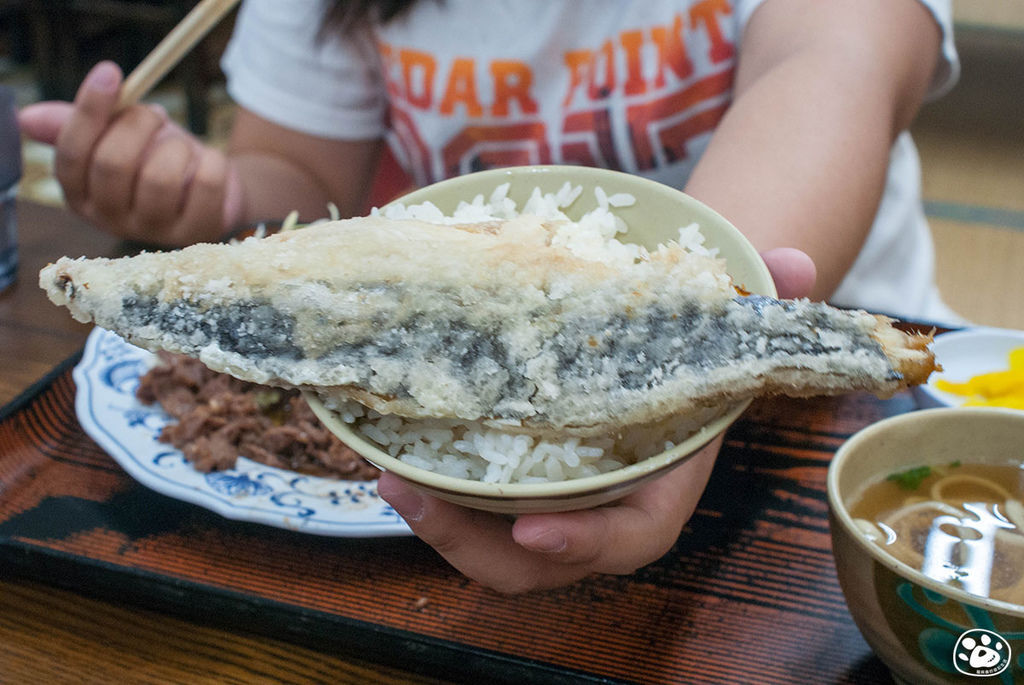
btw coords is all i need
(964, 354)
(656, 217)
(925, 631)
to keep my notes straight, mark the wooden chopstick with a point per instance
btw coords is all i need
(165, 56)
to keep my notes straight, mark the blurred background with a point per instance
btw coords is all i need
(971, 141)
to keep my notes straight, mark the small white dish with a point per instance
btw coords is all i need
(964, 354)
(106, 406)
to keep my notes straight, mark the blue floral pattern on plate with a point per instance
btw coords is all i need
(108, 411)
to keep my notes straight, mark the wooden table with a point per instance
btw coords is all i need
(50, 635)
(35, 335)
(748, 594)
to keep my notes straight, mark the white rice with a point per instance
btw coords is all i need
(477, 451)
(592, 237)
(480, 450)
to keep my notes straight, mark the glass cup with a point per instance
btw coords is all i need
(10, 174)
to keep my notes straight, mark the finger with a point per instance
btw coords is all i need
(94, 106)
(160, 193)
(203, 213)
(43, 121)
(793, 271)
(234, 199)
(117, 159)
(477, 543)
(629, 534)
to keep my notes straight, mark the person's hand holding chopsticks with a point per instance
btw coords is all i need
(128, 167)
(133, 171)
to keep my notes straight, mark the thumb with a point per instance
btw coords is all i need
(793, 271)
(43, 121)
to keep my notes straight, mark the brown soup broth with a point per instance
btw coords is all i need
(960, 524)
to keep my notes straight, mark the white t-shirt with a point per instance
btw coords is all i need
(462, 85)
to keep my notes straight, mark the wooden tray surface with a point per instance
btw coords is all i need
(747, 594)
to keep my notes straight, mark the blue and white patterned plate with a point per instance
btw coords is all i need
(107, 377)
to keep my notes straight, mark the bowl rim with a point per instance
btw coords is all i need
(959, 335)
(842, 514)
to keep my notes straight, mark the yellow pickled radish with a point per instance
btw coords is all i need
(1004, 388)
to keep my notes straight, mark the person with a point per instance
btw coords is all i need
(789, 117)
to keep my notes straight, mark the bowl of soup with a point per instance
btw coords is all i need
(927, 522)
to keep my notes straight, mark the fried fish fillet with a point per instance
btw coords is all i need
(497, 321)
